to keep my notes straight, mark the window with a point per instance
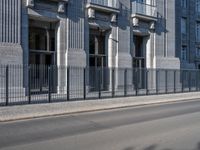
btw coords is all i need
(97, 47)
(198, 51)
(141, 1)
(183, 25)
(198, 32)
(37, 39)
(198, 6)
(184, 53)
(42, 38)
(184, 3)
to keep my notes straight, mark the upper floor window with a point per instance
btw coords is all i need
(184, 3)
(198, 6)
(148, 2)
(198, 32)
(183, 25)
(141, 1)
(184, 53)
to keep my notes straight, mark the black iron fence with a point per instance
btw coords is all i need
(29, 84)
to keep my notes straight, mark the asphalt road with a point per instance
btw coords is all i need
(174, 126)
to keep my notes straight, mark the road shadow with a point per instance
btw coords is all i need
(198, 146)
(151, 147)
(129, 148)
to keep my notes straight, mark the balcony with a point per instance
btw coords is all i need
(49, 5)
(104, 5)
(144, 11)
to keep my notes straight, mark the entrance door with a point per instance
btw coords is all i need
(139, 60)
(41, 55)
(97, 60)
(40, 63)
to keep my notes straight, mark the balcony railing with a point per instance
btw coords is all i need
(144, 9)
(106, 3)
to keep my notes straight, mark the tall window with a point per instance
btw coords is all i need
(184, 53)
(183, 25)
(198, 6)
(184, 3)
(198, 32)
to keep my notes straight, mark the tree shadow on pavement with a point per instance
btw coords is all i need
(155, 147)
(129, 148)
(198, 146)
(151, 147)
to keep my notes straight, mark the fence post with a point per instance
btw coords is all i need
(189, 81)
(113, 82)
(84, 83)
(125, 82)
(157, 81)
(7, 85)
(182, 81)
(174, 81)
(99, 82)
(196, 73)
(136, 83)
(166, 80)
(29, 84)
(147, 90)
(41, 77)
(198, 76)
(49, 81)
(68, 83)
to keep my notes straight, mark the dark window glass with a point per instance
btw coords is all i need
(92, 61)
(101, 44)
(47, 59)
(52, 44)
(92, 44)
(37, 39)
(49, 2)
(138, 41)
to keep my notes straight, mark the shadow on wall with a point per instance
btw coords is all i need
(123, 17)
(155, 147)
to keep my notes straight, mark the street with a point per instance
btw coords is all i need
(172, 126)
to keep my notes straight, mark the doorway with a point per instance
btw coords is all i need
(139, 60)
(97, 60)
(42, 54)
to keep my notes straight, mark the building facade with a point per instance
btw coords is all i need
(94, 34)
(106, 33)
(188, 33)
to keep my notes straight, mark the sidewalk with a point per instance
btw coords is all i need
(44, 110)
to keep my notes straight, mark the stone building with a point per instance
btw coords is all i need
(108, 33)
(188, 33)
(91, 33)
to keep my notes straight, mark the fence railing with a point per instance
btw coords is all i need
(107, 3)
(144, 9)
(29, 84)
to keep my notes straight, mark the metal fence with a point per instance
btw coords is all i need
(29, 84)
